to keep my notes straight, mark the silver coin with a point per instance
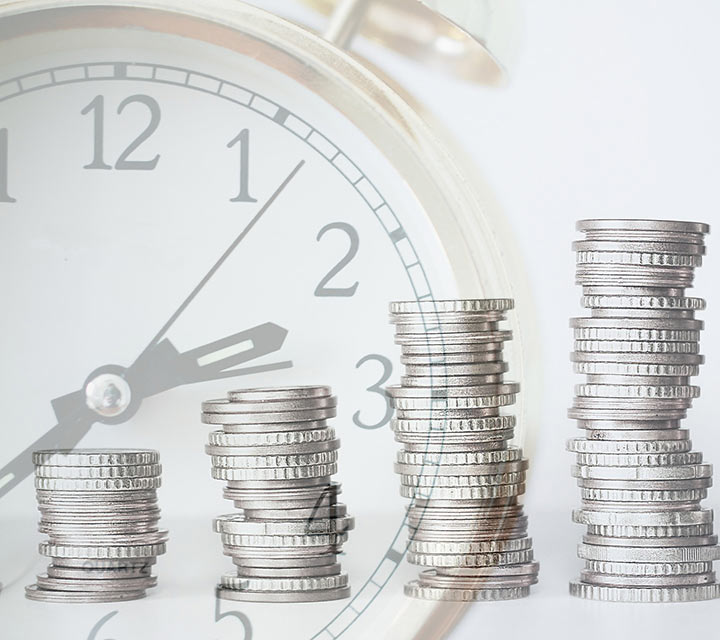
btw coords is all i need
(289, 541)
(628, 227)
(97, 484)
(684, 472)
(247, 438)
(315, 561)
(623, 447)
(648, 569)
(279, 473)
(101, 552)
(645, 594)
(449, 425)
(640, 435)
(648, 554)
(337, 510)
(95, 457)
(290, 572)
(684, 541)
(238, 525)
(309, 583)
(457, 548)
(239, 461)
(530, 568)
(43, 595)
(635, 334)
(415, 590)
(609, 580)
(452, 341)
(269, 394)
(643, 302)
(69, 573)
(451, 393)
(106, 564)
(685, 496)
(271, 496)
(412, 327)
(445, 350)
(304, 448)
(509, 455)
(302, 406)
(255, 423)
(89, 585)
(584, 410)
(81, 529)
(665, 531)
(437, 382)
(432, 479)
(230, 418)
(86, 472)
(644, 519)
(458, 359)
(470, 560)
(461, 439)
(448, 370)
(463, 493)
(452, 306)
(444, 447)
(639, 460)
(436, 581)
(638, 258)
(440, 413)
(283, 596)
(684, 392)
(461, 470)
(649, 485)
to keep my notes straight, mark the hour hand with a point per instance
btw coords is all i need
(163, 367)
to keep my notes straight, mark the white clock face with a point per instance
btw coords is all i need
(134, 164)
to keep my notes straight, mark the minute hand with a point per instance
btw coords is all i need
(228, 252)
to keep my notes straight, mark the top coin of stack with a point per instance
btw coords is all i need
(277, 453)
(648, 540)
(99, 510)
(456, 463)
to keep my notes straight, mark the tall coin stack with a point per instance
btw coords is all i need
(277, 453)
(648, 539)
(456, 464)
(99, 509)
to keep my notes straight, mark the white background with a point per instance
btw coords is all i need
(612, 110)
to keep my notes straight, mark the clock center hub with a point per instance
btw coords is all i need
(108, 394)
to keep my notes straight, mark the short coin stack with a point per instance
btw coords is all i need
(99, 509)
(648, 539)
(277, 453)
(457, 466)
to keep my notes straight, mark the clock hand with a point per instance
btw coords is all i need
(161, 369)
(228, 252)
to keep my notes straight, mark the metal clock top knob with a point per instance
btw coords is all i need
(474, 41)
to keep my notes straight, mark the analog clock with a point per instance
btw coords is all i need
(195, 197)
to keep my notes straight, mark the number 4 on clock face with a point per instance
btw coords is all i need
(4, 152)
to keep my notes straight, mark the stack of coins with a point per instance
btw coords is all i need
(99, 509)
(277, 454)
(457, 466)
(648, 539)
